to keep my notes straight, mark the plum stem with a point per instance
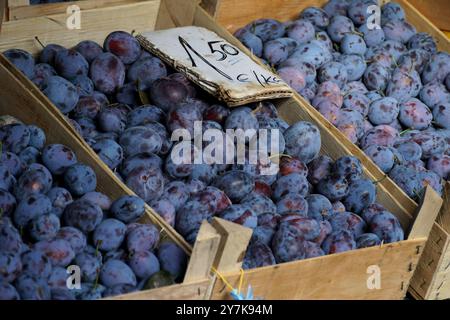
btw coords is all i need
(39, 41)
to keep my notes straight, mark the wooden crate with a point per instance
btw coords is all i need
(22, 9)
(438, 11)
(398, 261)
(234, 14)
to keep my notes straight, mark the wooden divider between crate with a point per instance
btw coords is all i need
(225, 12)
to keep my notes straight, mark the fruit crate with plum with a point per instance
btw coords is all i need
(23, 9)
(61, 207)
(364, 84)
(323, 217)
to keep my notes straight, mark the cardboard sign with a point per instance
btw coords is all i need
(215, 65)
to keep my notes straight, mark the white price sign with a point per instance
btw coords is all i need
(215, 65)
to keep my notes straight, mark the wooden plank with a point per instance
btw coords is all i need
(340, 276)
(96, 25)
(203, 255)
(431, 205)
(18, 3)
(444, 215)
(25, 11)
(233, 245)
(234, 14)
(191, 291)
(2, 12)
(176, 13)
(423, 282)
(438, 11)
(422, 24)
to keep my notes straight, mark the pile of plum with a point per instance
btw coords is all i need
(386, 88)
(311, 207)
(51, 218)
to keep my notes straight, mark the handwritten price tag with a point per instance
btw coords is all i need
(215, 65)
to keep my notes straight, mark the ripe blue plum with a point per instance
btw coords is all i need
(319, 207)
(84, 215)
(440, 165)
(8, 292)
(376, 77)
(12, 163)
(184, 116)
(30, 288)
(392, 11)
(319, 169)
(294, 183)
(372, 37)
(90, 50)
(74, 237)
(7, 180)
(335, 188)
(348, 167)
(144, 264)
(44, 227)
(278, 50)
(437, 69)
(251, 41)
(123, 45)
(303, 141)
(116, 272)
(144, 237)
(313, 53)
(337, 7)
(31, 207)
(113, 118)
(415, 115)
(367, 240)
(48, 53)
(387, 227)
(109, 234)
(433, 94)
(15, 137)
(59, 252)
(355, 66)
(145, 71)
(404, 85)
(236, 184)
(317, 17)
(7, 203)
(258, 255)
(357, 101)
(41, 73)
(22, 60)
(109, 151)
(441, 115)
(399, 30)
(384, 111)
(294, 77)
(36, 264)
(353, 44)
(301, 31)
(70, 63)
(35, 179)
(362, 193)
(59, 198)
(58, 158)
(382, 135)
(166, 93)
(335, 72)
(29, 155)
(108, 73)
(61, 92)
(90, 263)
(241, 214)
(147, 183)
(424, 41)
(128, 209)
(339, 26)
(80, 179)
(383, 157)
(359, 11)
(339, 241)
(266, 29)
(293, 203)
(166, 210)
